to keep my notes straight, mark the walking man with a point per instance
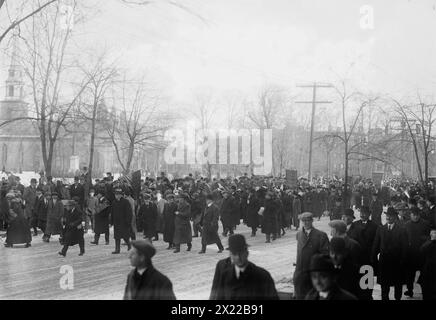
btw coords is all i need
(310, 241)
(209, 234)
(121, 219)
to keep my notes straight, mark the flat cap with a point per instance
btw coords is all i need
(305, 215)
(144, 247)
(339, 225)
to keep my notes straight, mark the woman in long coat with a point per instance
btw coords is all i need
(253, 206)
(18, 226)
(269, 221)
(55, 212)
(169, 220)
(182, 224)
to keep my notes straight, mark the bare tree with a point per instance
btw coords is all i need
(328, 144)
(101, 76)
(139, 125)
(270, 110)
(358, 102)
(46, 62)
(204, 112)
(26, 9)
(419, 119)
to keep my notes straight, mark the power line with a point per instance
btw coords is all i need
(314, 102)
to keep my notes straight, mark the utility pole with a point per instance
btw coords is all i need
(314, 102)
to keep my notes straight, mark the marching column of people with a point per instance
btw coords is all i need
(184, 209)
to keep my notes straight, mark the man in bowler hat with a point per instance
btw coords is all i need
(242, 279)
(324, 280)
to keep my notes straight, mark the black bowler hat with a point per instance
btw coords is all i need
(322, 263)
(237, 244)
(145, 247)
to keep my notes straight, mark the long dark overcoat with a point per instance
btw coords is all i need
(392, 247)
(182, 224)
(149, 215)
(210, 225)
(73, 230)
(55, 212)
(270, 217)
(307, 246)
(169, 221)
(121, 218)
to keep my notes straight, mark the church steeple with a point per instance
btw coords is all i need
(13, 105)
(14, 82)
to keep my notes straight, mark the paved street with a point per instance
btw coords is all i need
(34, 273)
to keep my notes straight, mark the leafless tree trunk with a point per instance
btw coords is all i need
(45, 66)
(139, 125)
(101, 76)
(419, 120)
(27, 8)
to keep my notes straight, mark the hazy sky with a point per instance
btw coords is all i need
(246, 43)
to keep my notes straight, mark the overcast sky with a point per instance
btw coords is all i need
(243, 44)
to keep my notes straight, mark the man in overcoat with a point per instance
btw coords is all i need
(182, 225)
(376, 208)
(365, 237)
(73, 230)
(418, 231)
(270, 217)
(169, 217)
(310, 241)
(101, 219)
(29, 198)
(209, 234)
(227, 213)
(55, 213)
(242, 279)
(324, 279)
(148, 213)
(391, 243)
(253, 206)
(121, 219)
(427, 279)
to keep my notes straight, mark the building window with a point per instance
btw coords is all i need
(11, 91)
(11, 73)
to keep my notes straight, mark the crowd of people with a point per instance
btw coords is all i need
(181, 209)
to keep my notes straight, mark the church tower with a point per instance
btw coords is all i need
(13, 105)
